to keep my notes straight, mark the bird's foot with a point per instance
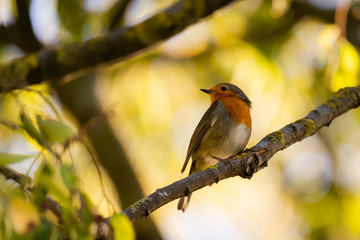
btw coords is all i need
(219, 159)
(252, 163)
(227, 160)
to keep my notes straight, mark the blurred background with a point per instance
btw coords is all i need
(287, 56)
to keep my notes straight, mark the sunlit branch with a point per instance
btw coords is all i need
(255, 158)
(53, 64)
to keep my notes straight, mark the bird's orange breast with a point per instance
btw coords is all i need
(238, 110)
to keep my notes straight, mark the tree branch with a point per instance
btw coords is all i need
(255, 158)
(244, 165)
(52, 64)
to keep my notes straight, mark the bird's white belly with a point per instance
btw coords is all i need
(237, 140)
(225, 146)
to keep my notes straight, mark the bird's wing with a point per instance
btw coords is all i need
(198, 135)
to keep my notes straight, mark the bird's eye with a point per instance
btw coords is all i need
(223, 88)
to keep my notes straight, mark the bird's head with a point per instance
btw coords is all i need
(224, 90)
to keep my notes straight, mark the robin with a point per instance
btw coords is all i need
(223, 131)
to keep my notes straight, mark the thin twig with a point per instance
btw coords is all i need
(10, 124)
(341, 13)
(106, 197)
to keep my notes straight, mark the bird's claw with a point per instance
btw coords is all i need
(252, 164)
(219, 159)
(228, 160)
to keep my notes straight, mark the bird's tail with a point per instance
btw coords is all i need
(184, 203)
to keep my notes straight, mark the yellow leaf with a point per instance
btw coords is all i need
(123, 229)
(23, 215)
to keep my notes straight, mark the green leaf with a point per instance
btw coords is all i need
(73, 17)
(30, 128)
(8, 158)
(69, 177)
(46, 230)
(47, 181)
(54, 131)
(123, 229)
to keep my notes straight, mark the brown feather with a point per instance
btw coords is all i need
(198, 135)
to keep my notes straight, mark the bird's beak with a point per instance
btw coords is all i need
(207, 90)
